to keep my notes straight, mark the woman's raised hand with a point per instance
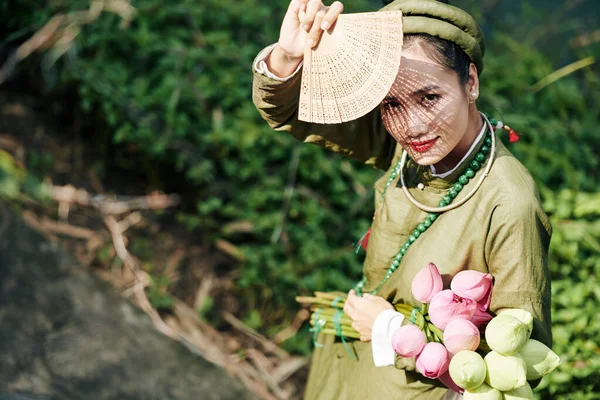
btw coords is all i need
(304, 23)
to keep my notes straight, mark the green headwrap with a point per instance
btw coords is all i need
(443, 21)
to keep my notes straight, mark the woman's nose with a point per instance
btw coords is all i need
(417, 125)
(417, 130)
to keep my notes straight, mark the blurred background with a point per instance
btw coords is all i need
(129, 139)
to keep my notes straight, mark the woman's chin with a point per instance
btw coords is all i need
(425, 158)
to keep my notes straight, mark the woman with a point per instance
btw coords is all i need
(431, 113)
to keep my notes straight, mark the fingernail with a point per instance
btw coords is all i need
(311, 43)
(305, 27)
(324, 25)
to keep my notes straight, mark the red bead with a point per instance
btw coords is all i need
(512, 136)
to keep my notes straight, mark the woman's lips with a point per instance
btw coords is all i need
(422, 146)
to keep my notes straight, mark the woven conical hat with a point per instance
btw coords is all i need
(352, 69)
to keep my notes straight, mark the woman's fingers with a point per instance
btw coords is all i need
(296, 6)
(315, 32)
(349, 309)
(349, 303)
(333, 13)
(324, 19)
(365, 333)
(302, 10)
(315, 18)
(312, 8)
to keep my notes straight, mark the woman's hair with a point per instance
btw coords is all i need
(447, 54)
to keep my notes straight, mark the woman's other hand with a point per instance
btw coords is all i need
(363, 311)
(304, 21)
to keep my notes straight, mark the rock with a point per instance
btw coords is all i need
(65, 334)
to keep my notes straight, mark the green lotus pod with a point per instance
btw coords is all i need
(540, 360)
(522, 393)
(505, 372)
(483, 392)
(467, 369)
(506, 335)
(522, 315)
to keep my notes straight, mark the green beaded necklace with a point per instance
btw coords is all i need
(463, 180)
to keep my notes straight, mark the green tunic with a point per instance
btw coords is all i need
(502, 230)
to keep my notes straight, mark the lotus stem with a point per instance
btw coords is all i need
(322, 303)
(316, 300)
(349, 335)
(328, 315)
(331, 295)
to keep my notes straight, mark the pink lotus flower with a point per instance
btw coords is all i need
(446, 306)
(461, 334)
(473, 285)
(447, 380)
(408, 341)
(481, 318)
(427, 283)
(433, 360)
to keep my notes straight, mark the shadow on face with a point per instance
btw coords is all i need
(426, 110)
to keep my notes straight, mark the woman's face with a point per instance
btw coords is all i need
(426, 110)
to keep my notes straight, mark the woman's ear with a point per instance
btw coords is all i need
(473, 83)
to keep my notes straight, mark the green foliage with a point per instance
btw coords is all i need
(176, 83)
(559, 144)
(16, 182)
(575, 257)
(158, 294)
(11, 176)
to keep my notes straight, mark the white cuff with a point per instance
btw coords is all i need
(260, 65)
(384, 327)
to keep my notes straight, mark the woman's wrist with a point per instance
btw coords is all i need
(281, 63)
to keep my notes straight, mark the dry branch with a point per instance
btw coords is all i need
(60, 32)
(301, 316)
(116, 232)
(265, 368)
(285, 369)
(263, 341)
(112, 204)
(61, 228)
(263, 376)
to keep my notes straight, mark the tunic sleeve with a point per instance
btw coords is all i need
(517, 257)
(364, 139)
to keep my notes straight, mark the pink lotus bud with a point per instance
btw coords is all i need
(408, 341)
(481, 318)
(446, 306)
(473, 285)
(447, 380)
(461, 334)
(427, 283)
(433, 360)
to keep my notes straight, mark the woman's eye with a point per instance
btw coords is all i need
(430, 98)
(392, 104)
